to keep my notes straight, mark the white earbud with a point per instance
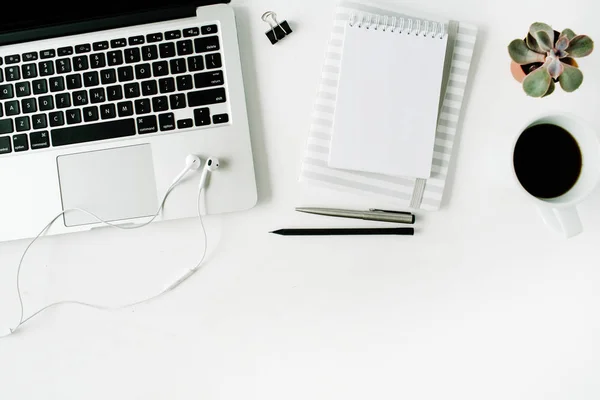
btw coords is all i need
(192, 163)
(212, 164)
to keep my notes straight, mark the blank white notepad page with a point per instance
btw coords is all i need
(387, 104)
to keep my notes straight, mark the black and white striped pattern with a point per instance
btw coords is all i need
(405, 192)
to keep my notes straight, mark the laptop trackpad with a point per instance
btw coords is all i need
(114, 184)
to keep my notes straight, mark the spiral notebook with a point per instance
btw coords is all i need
(390, 190)
(388, 95)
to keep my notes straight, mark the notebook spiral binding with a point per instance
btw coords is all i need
(400, 25)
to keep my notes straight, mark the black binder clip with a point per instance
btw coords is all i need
(278, 30)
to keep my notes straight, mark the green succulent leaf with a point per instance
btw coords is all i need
(521, 54)
(580, 46)
(550, 89)
(555, 67)
(533, 44)
(569, 34)
(537, 83)
(544, 34)
(562, 43)
(570, 79)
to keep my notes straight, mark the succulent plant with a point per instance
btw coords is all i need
(547, 57)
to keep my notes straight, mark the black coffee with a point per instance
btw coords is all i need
(547, 160)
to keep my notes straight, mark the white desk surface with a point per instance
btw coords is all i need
(484, 303)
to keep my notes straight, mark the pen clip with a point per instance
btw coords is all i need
(389, 211)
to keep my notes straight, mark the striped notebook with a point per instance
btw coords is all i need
(403, 192)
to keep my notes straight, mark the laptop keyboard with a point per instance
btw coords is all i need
(111, 89)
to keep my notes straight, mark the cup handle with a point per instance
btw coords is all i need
(563, 220)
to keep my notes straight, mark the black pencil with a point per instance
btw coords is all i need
(344, 231)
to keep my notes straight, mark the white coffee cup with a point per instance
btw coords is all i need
(560, 213)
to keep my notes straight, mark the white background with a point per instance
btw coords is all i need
(483, 303)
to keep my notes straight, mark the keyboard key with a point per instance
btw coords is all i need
(167, 50)
(171, 35)
(150, 52)
(22, 124)
(135, 40)
(6, 126)
(125, 74)
(166, 122)
(46, 68)
(195, 63)
(1, 76)
(167, 85)
(154, 37)
(1, 61)
(6, 92)
(132, 90)
(177, 101)
(29, 71)
(185, 47)
(23, 89)
(12, 108)
(20, 142)
(206, 97)
(5, 144)
(208, 79)
(57, 84)
(98, 60)
(107, 111)
(80, 63)
(57, 118)
(12, 74)
(46, 103)
(114, 93)
(204, 44)
(213, 61)
(118, 43)
(125, 109)
(80, 98)
(40, 86)
(73, 116)
(74, 81)
(83, 48)
(30, 56)
(142, 106)
(91, 114)
(39, 121)
(39, 140)
(91, 79)
(63, 100)
(15, 58)
(160, 68)
(65, 51)
(191, 32)
(97, 95)
(63, 65)
(147, 124)
(143, 71)
(185, 82)
(160, 103)
(149, 88)
(202, 116)
(209, 30)
(29, 105)
(101, 45)
(220, 118)
(109, 76)
(185, 123)
(115, 57)
(93, 132)
(132, 55)
(178, 66)
(45, 54)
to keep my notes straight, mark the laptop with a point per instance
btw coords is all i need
(100, 106)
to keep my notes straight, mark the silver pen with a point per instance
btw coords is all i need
(371, 215)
